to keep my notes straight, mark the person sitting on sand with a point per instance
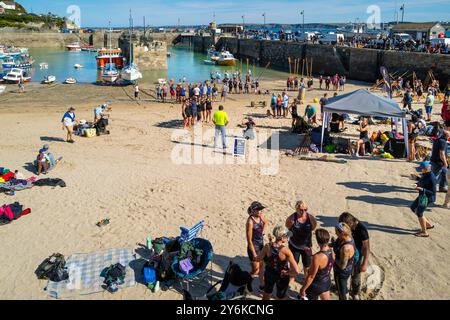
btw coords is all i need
(256, 224)
(363, 137)
(68, 122)
(43, 162)
(310, 114)
(249, 132)
(279, 262)
(344, 250)
(318, 282)
(426, 186)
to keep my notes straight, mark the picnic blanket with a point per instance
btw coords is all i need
(84, 273)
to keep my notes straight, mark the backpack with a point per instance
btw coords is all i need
(53, 268)
(114, 275)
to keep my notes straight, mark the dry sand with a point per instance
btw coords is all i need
(130, 178)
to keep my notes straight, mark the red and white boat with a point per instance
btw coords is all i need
(104, 56)
(75, 46)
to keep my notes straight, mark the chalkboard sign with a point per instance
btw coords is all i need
(239, 147)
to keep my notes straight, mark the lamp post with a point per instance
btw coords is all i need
(264, 15)
(303, 17)
(402, 8)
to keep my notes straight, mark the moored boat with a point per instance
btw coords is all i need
(16, 75)
(131, 73)
(70, 80)
(226, 59)
(75, 46)
(49, 79)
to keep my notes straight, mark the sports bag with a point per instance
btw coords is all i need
(53, 268)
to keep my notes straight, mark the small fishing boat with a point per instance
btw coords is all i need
(75, 47)
(87, 48)
(70, 80)
(78, 66)
(8, 63)
(226, 59)
(209, 62)
(49, 79)
(43, 65)
(16, 75)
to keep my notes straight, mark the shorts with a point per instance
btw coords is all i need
(316, 289)
(186, 114)
(202, 108)
(193, 112)
(271, 279)
(305, 253)
(258, 249)
(428, 109)
(273, 106)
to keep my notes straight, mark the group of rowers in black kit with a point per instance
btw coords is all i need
(276, 263)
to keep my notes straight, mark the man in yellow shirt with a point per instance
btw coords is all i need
(220, 119)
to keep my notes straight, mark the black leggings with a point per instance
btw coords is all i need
(341, 280)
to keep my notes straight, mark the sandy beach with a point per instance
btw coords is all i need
(129, 177)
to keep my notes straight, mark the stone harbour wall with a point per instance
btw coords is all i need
(356, 64)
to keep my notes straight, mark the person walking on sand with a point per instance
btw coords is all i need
(220, 120)
(301, 224)
(344, 250)
(136, 91)
(429, 102)
(439, 164)
(68, 122)
(360, 235)
(279, 263)
(318, 282)
(256, 224)
(427, 195)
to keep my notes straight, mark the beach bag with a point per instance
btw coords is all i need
(53, 268)
(423, 201)
(384, 138)
(186, 266)
(91, 132)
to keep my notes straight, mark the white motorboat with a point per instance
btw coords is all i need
(78, 66)
(226, 59)
(75, 46)
(16, 75)
(49, 79)
(70, 80)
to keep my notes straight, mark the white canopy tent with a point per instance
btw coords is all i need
(364, 103)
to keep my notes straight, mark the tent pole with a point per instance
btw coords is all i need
(405, 137)
(323, 129)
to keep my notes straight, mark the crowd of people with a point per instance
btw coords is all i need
(276, 263)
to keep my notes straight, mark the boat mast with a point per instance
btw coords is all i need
(110, 46)
(131, 37)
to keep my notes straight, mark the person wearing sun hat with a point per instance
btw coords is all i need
(427, 195)
(279, 263)
(256, 224)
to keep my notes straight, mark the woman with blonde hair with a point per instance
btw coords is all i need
(301, 224)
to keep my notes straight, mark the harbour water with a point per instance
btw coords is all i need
(183, 63)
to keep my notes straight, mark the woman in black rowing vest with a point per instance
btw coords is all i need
(279, 263)
(301, 224)
(318, 282)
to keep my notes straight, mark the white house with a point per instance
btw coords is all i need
(8, 4)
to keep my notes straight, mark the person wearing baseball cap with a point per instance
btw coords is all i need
(279, 263)
(256, 224)
(427, 195)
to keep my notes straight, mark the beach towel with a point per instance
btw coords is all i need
(17, 184)
(50, 183)
(85, 270)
